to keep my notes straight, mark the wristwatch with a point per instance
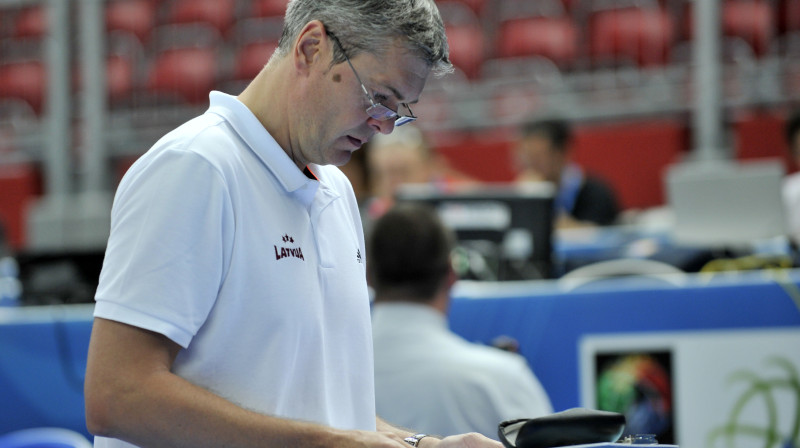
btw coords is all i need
(414, 440)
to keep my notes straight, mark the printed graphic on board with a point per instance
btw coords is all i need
(639, 385)
(733, 388)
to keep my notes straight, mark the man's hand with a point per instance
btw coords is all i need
(371, 439)
(469, 440)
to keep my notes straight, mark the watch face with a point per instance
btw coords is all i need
(414, 440)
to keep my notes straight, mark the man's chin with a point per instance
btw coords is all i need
(341, 158)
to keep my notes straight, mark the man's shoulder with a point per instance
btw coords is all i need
(491, 359)
(204, 129)
(207, 136)
(199, 132)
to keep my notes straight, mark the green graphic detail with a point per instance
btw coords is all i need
(765, 389)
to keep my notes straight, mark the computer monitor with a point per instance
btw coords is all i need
(726, 203)
(59, 277)
(504, 231)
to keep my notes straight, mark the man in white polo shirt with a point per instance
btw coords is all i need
(232, 308)
(426, 376)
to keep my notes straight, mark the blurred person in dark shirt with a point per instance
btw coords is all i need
(542, 153)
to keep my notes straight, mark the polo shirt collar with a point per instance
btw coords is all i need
(245, 123)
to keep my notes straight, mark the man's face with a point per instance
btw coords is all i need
(536, 157)
(397, 164)
(335, 122)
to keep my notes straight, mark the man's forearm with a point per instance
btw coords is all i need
(131, 394)
(169, 411)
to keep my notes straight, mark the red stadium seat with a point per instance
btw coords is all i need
(466, 38)
(253, 41)
(24, 80)
(751, 20)
(760, 134)
(269, 8)
(188, 73)
(120, 82)
(137, 17)
(644, 36)
(219, 14)
(555, 38)
(789, 16)
(30, 22)
(251, 58)
(120, 78)
(476, 6)
(467, 48)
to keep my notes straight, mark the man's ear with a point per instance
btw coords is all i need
(451, 278)
(311, 46)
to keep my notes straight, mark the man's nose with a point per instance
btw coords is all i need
(384, 127)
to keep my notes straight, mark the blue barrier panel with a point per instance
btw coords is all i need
(548, 320)
(42, 366)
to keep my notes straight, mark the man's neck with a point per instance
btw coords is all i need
(267, 97)
(440, 302)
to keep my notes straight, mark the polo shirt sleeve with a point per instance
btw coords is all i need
(166, 256)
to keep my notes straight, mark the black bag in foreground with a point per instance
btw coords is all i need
(571, 427)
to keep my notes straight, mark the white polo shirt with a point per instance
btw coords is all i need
(434, 381)
(220, 243)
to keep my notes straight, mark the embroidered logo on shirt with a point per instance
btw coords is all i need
(283, 252)
(358, 256)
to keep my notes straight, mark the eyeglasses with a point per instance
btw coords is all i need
(377, 110)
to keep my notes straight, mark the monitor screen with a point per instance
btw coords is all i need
(504, 231)
(59, 277)
(726, 203)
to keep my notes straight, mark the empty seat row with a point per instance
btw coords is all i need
(140, 17)
(185, 72)
(577, 34)
(643, 36)
(189, 59)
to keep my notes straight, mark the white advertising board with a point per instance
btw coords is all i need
(712, 389)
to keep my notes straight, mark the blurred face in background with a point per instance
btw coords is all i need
(395, 164)
(537, 160)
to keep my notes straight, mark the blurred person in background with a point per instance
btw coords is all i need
(542, 153)
(426, 376)
(232, 307)
(405, 157)
(358, 175)
(791, 185)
